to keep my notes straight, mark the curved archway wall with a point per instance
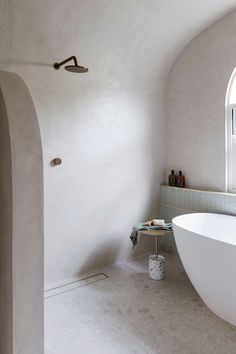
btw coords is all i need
(108, 125)
(21, 220)
(195, 105)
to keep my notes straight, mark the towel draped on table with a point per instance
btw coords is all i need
(142, 226)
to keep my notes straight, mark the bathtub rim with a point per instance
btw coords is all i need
(209, 235)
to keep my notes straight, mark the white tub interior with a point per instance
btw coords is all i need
(214, 226)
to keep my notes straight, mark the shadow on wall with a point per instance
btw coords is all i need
(105, 253)
(25, 62)
(108, 252)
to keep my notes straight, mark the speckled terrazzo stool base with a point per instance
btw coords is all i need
(156, 267)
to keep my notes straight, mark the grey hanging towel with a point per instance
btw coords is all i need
(142, 226)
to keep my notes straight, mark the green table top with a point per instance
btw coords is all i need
(156, 232)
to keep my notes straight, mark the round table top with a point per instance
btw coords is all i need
(156, 232)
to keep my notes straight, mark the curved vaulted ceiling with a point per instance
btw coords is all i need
(124, 42)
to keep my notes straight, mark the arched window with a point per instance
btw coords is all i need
(231, 134)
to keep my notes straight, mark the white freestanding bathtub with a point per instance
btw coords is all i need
(207, 248)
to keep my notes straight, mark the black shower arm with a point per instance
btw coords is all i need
(58, 65)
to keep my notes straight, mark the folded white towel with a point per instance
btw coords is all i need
(158, 222)
(155, 222)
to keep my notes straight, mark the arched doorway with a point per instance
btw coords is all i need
(21, 220)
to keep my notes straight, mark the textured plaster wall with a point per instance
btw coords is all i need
(195, 104)
(108, 125)
(5, 233)
(21, 221)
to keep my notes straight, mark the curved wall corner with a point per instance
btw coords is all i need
(195, 105)
(21, 220)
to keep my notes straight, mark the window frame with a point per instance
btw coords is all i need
(231, 119)
(228, 136)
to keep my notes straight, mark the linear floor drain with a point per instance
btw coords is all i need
(74, 285)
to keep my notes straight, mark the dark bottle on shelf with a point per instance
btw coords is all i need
(180, 180)
(172, 178)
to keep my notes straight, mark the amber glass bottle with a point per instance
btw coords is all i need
(172, 178)
(180, 180)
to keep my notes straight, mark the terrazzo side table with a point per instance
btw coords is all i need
(156, 262)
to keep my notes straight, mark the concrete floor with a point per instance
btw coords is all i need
(130, 313)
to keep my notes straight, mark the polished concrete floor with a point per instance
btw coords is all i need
(129, 313)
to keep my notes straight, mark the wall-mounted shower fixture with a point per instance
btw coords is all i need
(56, 162)
(72, 68)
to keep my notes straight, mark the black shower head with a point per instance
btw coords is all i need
(72, 68)
(76, 69)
